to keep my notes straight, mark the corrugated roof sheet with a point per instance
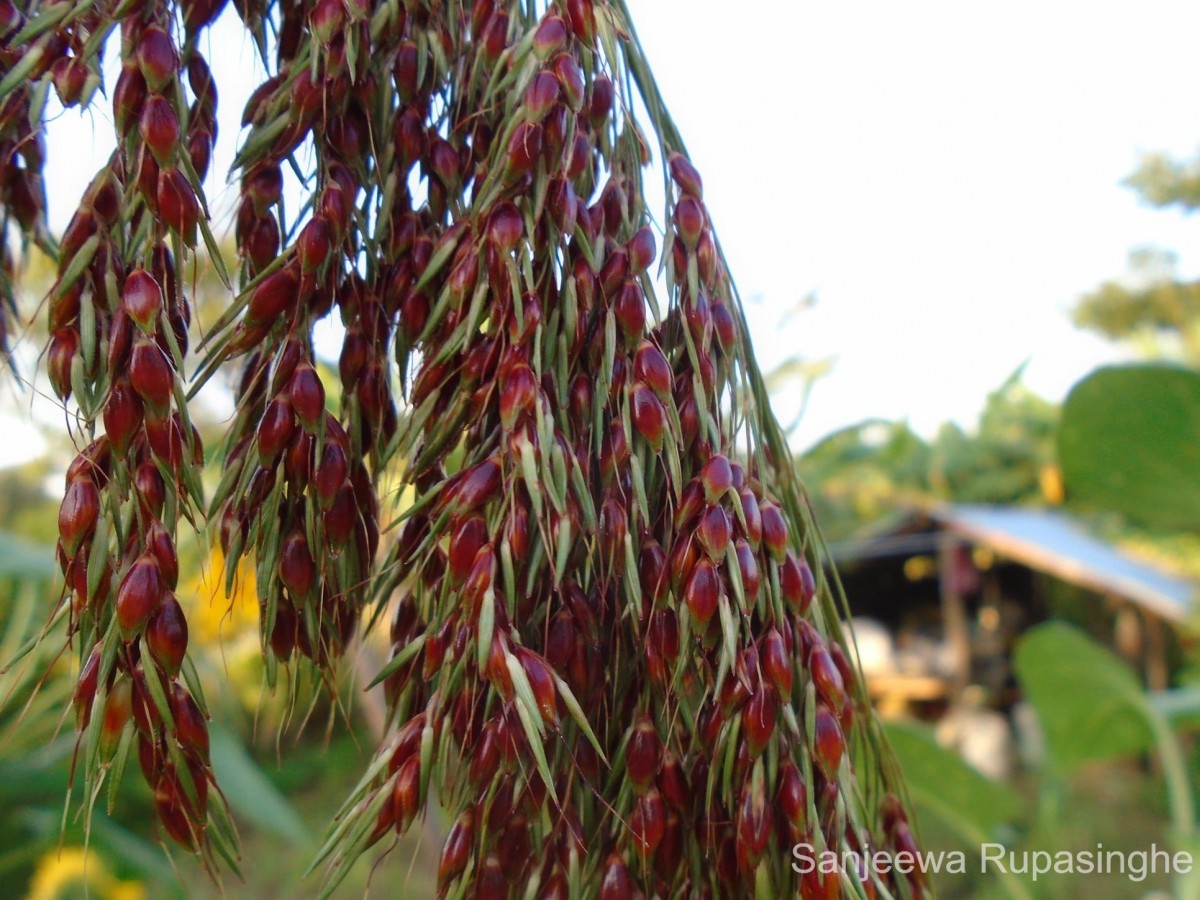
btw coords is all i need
(1051, 541)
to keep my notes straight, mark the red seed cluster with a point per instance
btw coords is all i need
(119, 324)
(612, 655)
(584, 533)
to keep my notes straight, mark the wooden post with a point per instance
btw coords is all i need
(954, 616)
(1157, 674)
(1127, 633)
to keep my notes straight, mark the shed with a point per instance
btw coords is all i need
(955, 585)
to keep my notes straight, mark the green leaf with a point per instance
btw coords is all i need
(1089, 703)
(1130, 442)
(944, 785)
(250, 793)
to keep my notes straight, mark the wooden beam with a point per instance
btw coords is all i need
(954, 617)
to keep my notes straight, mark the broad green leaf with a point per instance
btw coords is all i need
(250, 793)
(942, 784)
(1089, 703)
(1130, 442)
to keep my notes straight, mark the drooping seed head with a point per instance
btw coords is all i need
(689, 219)
(684, 174)
(640, 250)
(178, 207)
(753, 824)
(776, 663)
(331, 473)
(796, 583)
(456, 851)
(541, 94)
(542, 682)
(758, 719)
(716, 477)
(524, 148)
(475, 487)
(328, 18)
(159, 128)
(518, 393)
(150, 490)
(752, 516)
(505, 227)
(714, 532)
(491, 883)
(616, 883)
(284, 630)
(191, 727)
(613, 526)
(70, 76)
(702, 593)
(63, 347)
(118, 710)
(199, 14)
(142, 299)
(308, 396)
(724, 327)
(643, 755)
(314, 245)
(406, 793)
(465, 541)
(550, 37)
(296, 567)
(85, 688)
(828, 743)
(156, 57)
(663, 634)
(749, 571)
(652, 571)
(78, 514)
(630, 311)
(139, 595)
(129, 96)
(648, 823)
(826, 678)
(167, 635)
(647, 414)
(158, 543)
(164, 437)
(275, 429)
(570, 78)
(774, 530)
(792, 796)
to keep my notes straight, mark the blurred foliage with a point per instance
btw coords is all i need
(944, 786)
(869, 471)
(1091, 706)
(1089, 703)
(1163, 182)
(1130, 443)
(1151, 308)
(37, 741)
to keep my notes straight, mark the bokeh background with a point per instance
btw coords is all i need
(943, 218)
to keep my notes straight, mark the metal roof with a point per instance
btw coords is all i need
(1047, 540)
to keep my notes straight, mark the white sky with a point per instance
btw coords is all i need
(945, 176)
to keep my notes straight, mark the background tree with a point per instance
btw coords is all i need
(1152, 307)
(548, 465)
(865, 473)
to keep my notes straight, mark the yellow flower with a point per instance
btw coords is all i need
(213, 616)
(76, 872)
